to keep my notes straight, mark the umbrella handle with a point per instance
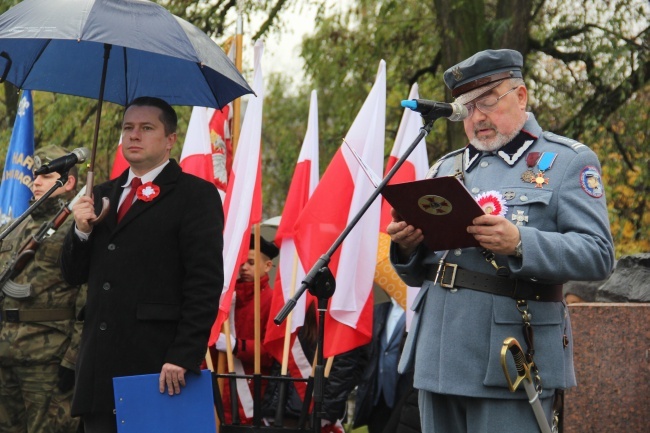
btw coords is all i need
(105, 201)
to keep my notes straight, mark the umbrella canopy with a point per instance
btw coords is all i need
(59, 46)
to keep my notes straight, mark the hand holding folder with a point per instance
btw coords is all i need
(441, 207)
(140, 407)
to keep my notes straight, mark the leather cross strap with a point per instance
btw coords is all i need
(50, 315)
(452, 276)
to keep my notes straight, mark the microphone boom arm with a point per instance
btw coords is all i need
(324, 260)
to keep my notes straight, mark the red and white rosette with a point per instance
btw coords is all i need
(148, 191)
(492, 203)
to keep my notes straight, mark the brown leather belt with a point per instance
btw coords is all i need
(451, 277)
(14, 315)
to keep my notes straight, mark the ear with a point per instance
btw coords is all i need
(70, 184)
(522, 97)
(171, 140)
(267, 266)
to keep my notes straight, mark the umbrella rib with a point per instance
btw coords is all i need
(126, 77)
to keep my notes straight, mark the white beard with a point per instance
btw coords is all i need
(495, 143)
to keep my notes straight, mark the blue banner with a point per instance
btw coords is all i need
(17, 178)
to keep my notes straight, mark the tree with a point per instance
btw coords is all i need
(586, 63)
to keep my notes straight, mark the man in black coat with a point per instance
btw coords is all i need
(382, 386)
(154, 269)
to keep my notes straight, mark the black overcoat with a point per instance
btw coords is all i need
(154, 282)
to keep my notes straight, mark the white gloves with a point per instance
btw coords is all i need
(221, 343)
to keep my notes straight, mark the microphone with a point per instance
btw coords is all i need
(453, 111)
(64, 163)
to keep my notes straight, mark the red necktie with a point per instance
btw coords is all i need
(128, 200)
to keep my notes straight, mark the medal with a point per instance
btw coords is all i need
(539, 180)
(544, 163)
(528, 176)
(531, 161)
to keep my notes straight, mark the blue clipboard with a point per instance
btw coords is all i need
(140, 407)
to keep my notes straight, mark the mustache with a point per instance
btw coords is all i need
(483, 125)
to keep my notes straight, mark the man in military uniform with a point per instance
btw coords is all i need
(554, 227)
(38, 329)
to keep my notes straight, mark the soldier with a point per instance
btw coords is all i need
(38, 331)
(553, 227)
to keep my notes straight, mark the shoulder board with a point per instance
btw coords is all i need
(573, 144)
(433, 171)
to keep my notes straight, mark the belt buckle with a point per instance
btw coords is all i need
(449, 285)
(12, 315)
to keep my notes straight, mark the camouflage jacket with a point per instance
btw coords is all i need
(29, 343)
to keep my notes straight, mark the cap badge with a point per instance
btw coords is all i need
(457, 73)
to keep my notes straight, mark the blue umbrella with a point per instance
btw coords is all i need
(60, 46)
(114, 50)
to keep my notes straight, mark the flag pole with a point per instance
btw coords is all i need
(236, 120)
(236, 105)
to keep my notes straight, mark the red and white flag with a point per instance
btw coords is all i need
(221, 141)
(414, 168)
(291, 271)
(196, 157)
(119, 163)
(342, 191)
(243, 203)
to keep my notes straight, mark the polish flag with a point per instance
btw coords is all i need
(291, 271)
(221, 140)
(196, 157)
(119, 163)
(414, 168)
(341, 193)
(243, 204)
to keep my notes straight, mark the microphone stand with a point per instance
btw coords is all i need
(58, 184)
(320, 281)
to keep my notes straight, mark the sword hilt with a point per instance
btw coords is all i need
(511, 345)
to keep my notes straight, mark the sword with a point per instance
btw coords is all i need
(511, 345)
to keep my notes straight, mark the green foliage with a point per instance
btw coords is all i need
(586, 66)
(586, 63)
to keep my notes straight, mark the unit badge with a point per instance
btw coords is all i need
(591, 182)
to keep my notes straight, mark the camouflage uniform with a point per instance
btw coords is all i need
(32, 353)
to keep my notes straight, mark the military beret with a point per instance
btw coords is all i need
(266, 247)
(482, 72)
(48, 153)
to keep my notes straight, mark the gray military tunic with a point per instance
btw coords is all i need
(456, 335)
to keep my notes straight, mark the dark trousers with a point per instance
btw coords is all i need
(379, 416)
(99, 423)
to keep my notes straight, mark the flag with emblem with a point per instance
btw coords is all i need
(196, 156)
(17, 177)
(341, 193)
(243, 203)
(221, 142)
(414, 168)
(291, 271)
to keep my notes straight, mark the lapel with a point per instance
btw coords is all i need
(166, 181)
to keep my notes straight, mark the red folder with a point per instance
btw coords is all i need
(441, 207)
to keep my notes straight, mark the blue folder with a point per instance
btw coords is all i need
(140, 407)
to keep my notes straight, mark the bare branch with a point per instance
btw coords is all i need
(269, 21)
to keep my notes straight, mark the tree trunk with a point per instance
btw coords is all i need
(505, 25)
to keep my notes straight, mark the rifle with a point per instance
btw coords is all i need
(28, 251)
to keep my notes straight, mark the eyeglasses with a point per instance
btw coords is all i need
(485, 105)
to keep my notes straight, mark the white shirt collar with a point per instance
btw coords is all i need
(147, 177)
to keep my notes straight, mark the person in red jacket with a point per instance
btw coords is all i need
(243, 335)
